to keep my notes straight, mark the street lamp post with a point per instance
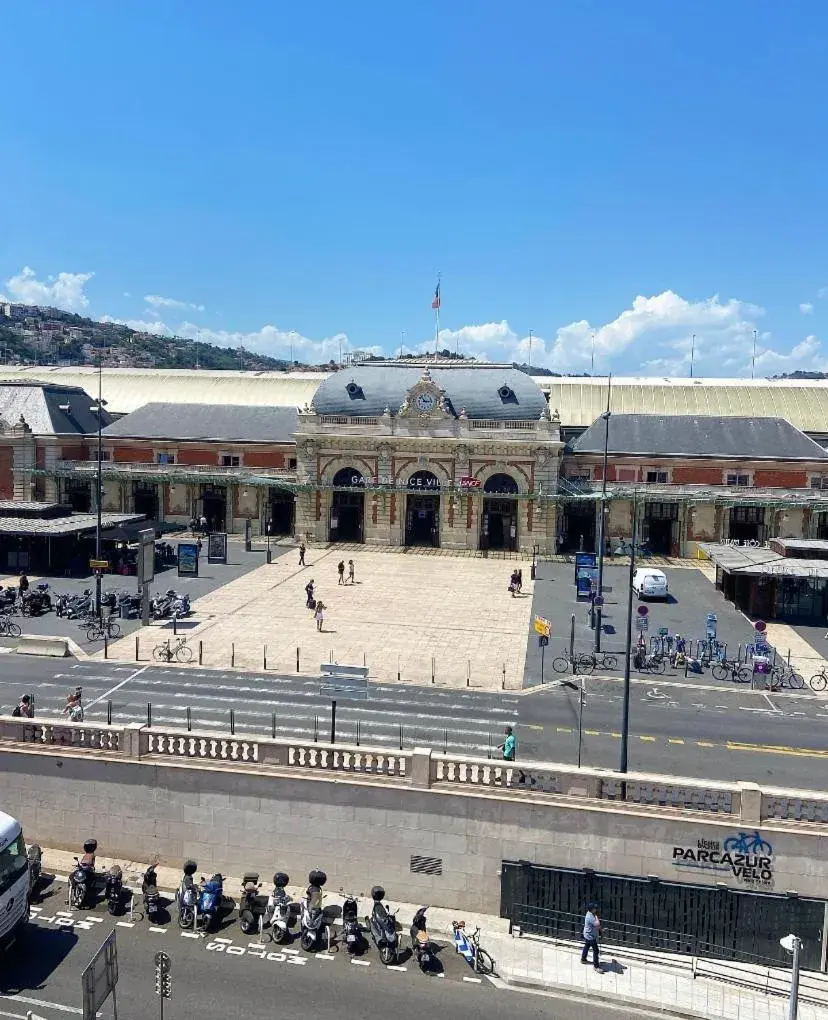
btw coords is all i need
(793, 944)
(625, 715)
(267, 532)
(602, 523)
(99, 486)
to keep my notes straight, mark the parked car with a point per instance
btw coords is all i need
(650, 584)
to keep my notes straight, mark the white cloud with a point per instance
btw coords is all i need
(807, 308)
(156, 301)
(822, 292)
(140, 325)
(66, 290)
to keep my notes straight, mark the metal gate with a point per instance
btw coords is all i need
(709, 921)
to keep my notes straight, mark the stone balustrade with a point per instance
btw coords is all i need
(423, 768)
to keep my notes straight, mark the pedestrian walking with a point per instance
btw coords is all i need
(320, 615)
(340, 569)
(24, 708)
(198, 546)
(514, 583)
(23, 584)
(302, 552)
(509, 745)
(311, 603)
(592, 931)
(351, 571)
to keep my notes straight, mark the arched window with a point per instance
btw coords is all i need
(348, 477)
(501, 485)
(424, 481)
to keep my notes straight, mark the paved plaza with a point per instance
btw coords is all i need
(405, 615)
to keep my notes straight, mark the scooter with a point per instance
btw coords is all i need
(314, 930)
(187, 896)
(351, 928)
(34, 855)
(382, 926)
(421, 945)
(278, 909)
(252, 906)
(152, 899)
(209, 902)
(82, 879)
(114, 889)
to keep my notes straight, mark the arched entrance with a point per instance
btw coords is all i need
(422, 510)
(212, 504)
(499, 520)
(280, 511)
(348, 507)
(145, 499)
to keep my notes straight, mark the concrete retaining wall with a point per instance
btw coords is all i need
(231, 817)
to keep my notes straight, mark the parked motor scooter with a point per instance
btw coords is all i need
(187, 896)
(114, 889)
(34, 855)
(382, 926)
(252, 905)
(421, 945)
(351, 928)
(279, 910)
(152, 899)
(210, 896)
(314, 930)
(82, 878)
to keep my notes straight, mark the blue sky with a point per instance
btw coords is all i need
(643, 170)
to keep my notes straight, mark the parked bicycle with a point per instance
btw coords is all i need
(786, 676)
(98, 628)
(468, 945)
(580, 662)
(731, 669)
(599, 660)
(9, 627)
(819, 681)
(170, 650)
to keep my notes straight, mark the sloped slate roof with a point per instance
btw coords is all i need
(40, 405)
(229, 422)
(474, 388)
(678, 435)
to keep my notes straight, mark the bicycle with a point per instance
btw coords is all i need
(468, 945)
(599, 660)
(168, 651)
(748, 843)
(9, 627)
(578, 663)
(819, 681)
(786, 676)
(96, 630)
(730, 669)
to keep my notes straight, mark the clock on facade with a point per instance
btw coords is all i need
(426, 402)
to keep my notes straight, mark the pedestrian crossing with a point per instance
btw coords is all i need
(466, 722)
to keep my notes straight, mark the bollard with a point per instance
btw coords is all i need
(106, 644)
(364, 659)
(32, 703)
(432, 668)
(739, 654)
(189, 719)
(357, 734)
(264, 658)
(136, 647)
(297, 660)
(175, 624)
(149, 715)
(316, 729)
(445, 741)
(232, 655)
(468, 672)
(503, 681)
(109, 713)
(789, 656)
(401, 736)
(232, 722)
(490, 743)
(399, 678)
(273, 725)
(200, 650)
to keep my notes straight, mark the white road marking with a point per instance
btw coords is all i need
(324, 956)
(191, 935)
(225, 941)
(256, 945)
(125, 924)
(290, 952)
(43, 1002)
(160, 931)
(117, 687)
(361, 963)
(774, 707)
(95, 920)
(394, 966)
(474, 981)
(17, 1016)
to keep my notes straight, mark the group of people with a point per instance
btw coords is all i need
(316, 605)
(516, 582)
(73, 709)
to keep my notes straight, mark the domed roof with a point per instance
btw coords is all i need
(494, 392)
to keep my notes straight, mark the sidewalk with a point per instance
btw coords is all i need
(660, 982)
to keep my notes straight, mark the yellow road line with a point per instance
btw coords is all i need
(705, 743)
(674, 740)
(529, 726)
(616, 735)
(564, 729)
(593, 733)
(797, 752)
(651, 739)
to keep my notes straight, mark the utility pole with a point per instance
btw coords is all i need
(753, 357)
(402, 341)
(625, 715)
(531, 335)
(597, 613)
(592, 360)
(692, 353)
(99, 485)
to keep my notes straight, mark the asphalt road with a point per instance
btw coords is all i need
(712, 732)
(226, 978)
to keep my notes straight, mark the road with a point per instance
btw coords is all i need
(227, 978)
(676, 728)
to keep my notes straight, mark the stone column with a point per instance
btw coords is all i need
(24, 456)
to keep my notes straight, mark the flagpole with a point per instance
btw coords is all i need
(437, 316)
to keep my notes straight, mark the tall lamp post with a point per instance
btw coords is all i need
(625, 714)
(98, 409)
(602, 523)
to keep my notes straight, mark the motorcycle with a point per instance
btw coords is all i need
(278, 909)
(114, 889)
(209, 902)
(82, 878)
(187, 896)
(252, 906)
(34, 855)
(149, 891)
(313, 924)
(351, 928)
(382, 926)
(421, 945)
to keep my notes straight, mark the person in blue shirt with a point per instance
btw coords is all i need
(592, 929)
(509, 745)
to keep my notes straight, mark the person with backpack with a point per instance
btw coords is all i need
(24, 708)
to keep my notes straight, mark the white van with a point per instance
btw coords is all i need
(14, 879)
(649, 583)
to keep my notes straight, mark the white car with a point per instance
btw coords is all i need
(650, 584)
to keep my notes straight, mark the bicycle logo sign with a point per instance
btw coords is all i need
(746, 856)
